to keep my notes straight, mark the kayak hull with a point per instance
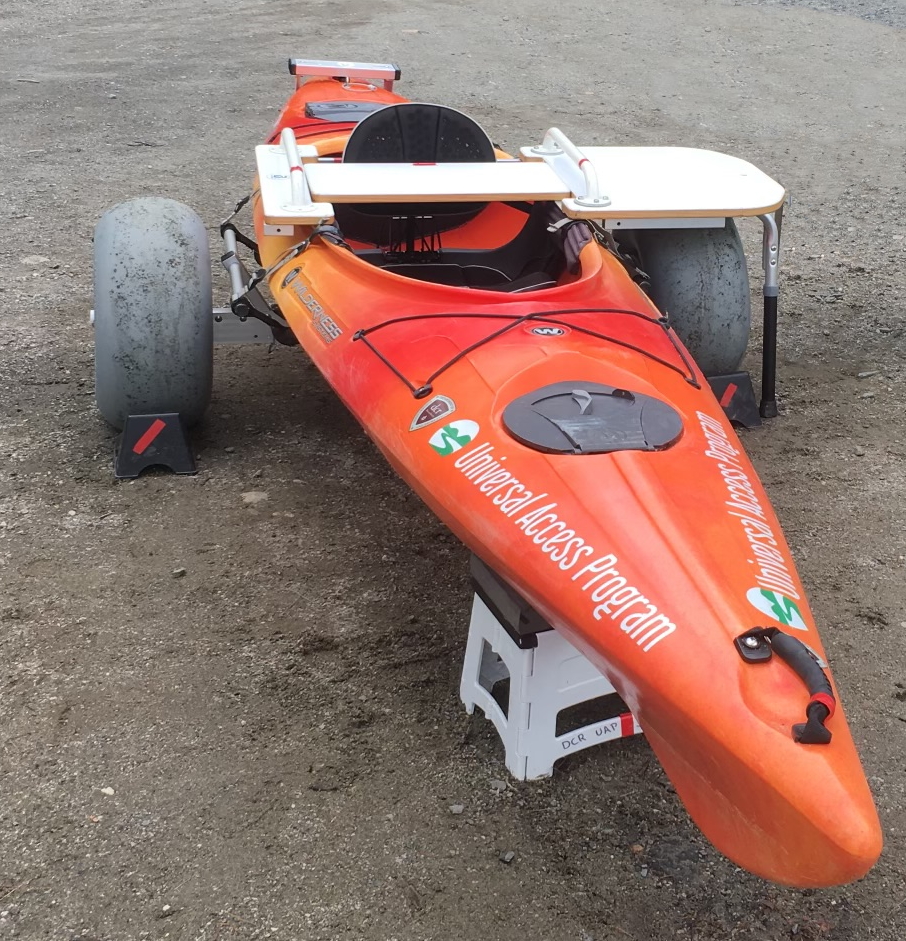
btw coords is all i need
(650, 561)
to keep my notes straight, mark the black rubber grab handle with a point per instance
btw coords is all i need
(801, 659)
(822, 703)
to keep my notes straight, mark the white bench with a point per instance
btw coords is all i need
(662, 183)
(437, 182)
(322, 184)
(651, 184)
(623, 187)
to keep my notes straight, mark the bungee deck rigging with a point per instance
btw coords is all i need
(548, 317)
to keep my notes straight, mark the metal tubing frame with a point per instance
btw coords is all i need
(245, 301)
(233, 265)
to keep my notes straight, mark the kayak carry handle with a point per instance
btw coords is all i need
(756, 646)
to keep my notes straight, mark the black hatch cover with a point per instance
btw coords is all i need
(342, 111)
(588, 418)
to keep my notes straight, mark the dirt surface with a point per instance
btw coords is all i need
(268, 744)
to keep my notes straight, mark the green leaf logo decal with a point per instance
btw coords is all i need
(453, 437)
(778, 607)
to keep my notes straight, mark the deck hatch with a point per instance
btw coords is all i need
(339, 112)
(589, 418)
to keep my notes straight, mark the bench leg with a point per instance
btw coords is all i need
(771, 263)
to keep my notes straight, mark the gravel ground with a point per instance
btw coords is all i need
(268, 745)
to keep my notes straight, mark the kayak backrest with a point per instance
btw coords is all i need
(412, 132)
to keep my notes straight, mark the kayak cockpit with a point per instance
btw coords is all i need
(543, 253)
(408, 238)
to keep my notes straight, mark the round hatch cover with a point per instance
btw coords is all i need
(589, 418)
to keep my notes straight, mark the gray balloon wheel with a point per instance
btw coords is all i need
(699, 279)
(153, 323)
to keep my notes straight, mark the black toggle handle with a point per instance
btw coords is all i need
(803, 662)
(813, 731)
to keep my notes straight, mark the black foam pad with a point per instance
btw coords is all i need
(412, 133)
(418, 133)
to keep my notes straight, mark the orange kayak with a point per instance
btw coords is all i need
(561, 429)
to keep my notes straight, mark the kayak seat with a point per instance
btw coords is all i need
(407, 235)
(410, 132)
(546, 246)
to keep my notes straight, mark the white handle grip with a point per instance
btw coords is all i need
(556, 142)
(301, 194)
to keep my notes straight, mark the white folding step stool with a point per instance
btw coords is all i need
(509, 639)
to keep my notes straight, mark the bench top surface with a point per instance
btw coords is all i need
(640, 182)
(408, 182)
(669, 182)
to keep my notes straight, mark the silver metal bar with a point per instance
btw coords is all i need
(233, 265)
(770, 256)
(251, 298)
(387, 72)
